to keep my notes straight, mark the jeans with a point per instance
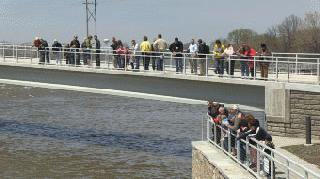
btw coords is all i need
(220, 66)
(179, 64)
(98, 58)
(193, 63)
(231, 70)
(146, 60)
(160, 63)
(244, 68)
(137, 61)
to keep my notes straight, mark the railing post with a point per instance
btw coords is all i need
(258, 159)
(238, 149)
(308, 130)
(254, 68)
(229, 141)
(202, 123)
(17, 54)
(184, 64)
(247, 149)
(163, 63)
(287, 169)
(208, 128)
(296, 68)
(4, 55)
(125, 62)
(288, 70)
(214, 133)
(277, 72)
(206, 65)
(318, 71)
(229, 64)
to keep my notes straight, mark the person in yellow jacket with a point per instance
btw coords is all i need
(145, 48)
(218, 50)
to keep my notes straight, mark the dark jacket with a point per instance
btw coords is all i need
(177, 48)
(56, 46)
(203, 49)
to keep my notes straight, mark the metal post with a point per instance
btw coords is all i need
(229, 141)
(258, 160)
(277, 73)
(229, 59)
(184, 64)
(247, 149)
(296, 69)
(4, 55)
(288, 70)
(214, 132)
(308, 130)
(125, 62)
(287, 169)
(17, 54)
(318, 71)
(202, 123)
(238, 149)
(208, 125)
(254, 68)
(206, 65)
(163, 63)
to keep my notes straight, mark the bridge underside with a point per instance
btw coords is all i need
(201, 90)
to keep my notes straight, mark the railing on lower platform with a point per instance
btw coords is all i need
(255, 156)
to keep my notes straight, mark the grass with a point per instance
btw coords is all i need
(310, 154)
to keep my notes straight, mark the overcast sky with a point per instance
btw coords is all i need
(22, 20)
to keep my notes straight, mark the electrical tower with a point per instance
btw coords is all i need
(91, 14)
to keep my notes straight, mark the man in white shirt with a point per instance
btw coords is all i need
(193, 50)
(135, 59)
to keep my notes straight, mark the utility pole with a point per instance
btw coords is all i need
(91, 14)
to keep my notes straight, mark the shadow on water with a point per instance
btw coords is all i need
(133, 141)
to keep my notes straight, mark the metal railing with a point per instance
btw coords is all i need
(282, 67)
(254, 156)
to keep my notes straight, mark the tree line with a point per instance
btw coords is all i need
(293, 34)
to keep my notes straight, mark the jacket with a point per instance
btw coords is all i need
(218, 51)
(145, 46)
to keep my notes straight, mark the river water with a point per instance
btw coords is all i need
(64, 134)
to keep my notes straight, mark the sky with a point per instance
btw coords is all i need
(22, 20)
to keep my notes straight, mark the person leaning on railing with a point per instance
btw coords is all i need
(218, 50)
(203, 49)
(213, 112)
(74, 55)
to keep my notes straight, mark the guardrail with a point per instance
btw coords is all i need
(283, 67)
(255, 156)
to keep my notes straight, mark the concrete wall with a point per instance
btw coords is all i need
(286, 110)
(209, 162)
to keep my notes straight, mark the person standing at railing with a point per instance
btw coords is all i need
(43, 51)
(37, 43)
(135, 58)
(250, 53)
(193, 50)
(218, 50)
(145, 48)
(97, 46)
(177, 49)
(264, 61)
(160, 45)
(202, 51)
(121, 52)
(243, 62)
(228, 52)
(67, 54)
(114, 47)
(56, 51)
(75, 49)
(87, 47)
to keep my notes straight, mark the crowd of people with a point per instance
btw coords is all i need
(224, 56)
(241, 126)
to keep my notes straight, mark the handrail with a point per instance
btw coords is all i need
(260, 149)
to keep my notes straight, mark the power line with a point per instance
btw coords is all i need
(91, 15)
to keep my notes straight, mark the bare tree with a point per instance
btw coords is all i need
(239, 36)
(287, 31)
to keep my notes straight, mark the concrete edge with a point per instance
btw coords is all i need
(226, 166)
(117, 93)
(214, 79)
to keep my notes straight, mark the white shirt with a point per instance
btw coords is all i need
(135, 48)
(193, 48)
(228, 51)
